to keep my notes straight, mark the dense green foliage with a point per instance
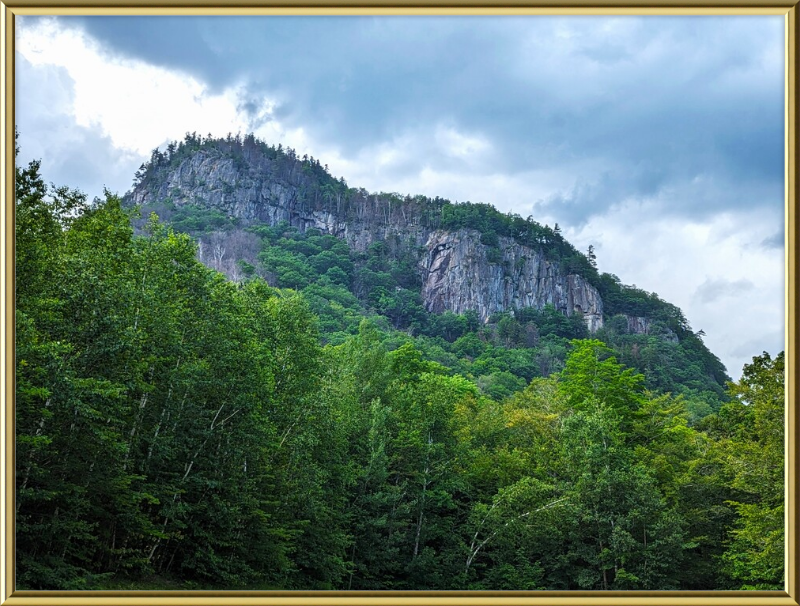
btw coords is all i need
(178, 429)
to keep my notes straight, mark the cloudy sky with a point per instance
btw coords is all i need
(659, 140)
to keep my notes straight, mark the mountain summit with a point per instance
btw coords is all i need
(469, 257)
(462, 258)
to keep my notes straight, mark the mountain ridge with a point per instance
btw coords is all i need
(426, 265)
(519, 262)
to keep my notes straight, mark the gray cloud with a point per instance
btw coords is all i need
(630, 107)
(71, 154)
(777, 240)
(772, 342)
(714, 289)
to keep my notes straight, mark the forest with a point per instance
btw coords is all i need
(308, 425)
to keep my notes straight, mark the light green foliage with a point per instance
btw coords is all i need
(755, 459)
(591, 374)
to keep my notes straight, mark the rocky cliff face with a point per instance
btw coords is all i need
(459, 276)
(259, 191)
(638, 325)
(458, 272)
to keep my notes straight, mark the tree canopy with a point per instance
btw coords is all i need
(177, 429)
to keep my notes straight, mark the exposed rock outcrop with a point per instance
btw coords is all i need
(459, 276)
(638, 325)
(258, 192)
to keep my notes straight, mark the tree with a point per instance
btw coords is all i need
(592, 374)
(756, 458)
(620, 532)
(591, 256)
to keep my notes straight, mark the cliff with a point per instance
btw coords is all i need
(256, 189)
(459, 268)
(458, 276)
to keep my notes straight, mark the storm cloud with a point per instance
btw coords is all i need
(627, 107)
(713, 289)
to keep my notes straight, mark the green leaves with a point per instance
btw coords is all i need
(591, 374)
(176, 424)
(156, 402)
(755, 458)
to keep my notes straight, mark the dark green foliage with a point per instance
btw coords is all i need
(619, 298)
(181, 430)
(668, 363)
(550, 322)
(197, 219)
(160, 410)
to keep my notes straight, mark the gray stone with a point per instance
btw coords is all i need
(458, 276)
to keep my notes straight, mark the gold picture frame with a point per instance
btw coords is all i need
(9, 10)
